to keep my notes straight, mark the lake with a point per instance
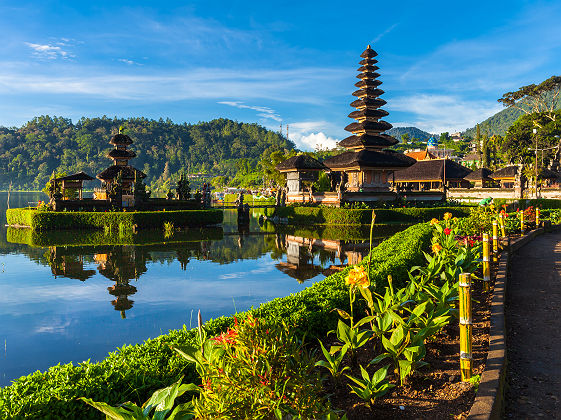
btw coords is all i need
(72, 296)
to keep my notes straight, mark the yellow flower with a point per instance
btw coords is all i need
(436, 248)
(447, 216)
(357, 277)
(434, 222)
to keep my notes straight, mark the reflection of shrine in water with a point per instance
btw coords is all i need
(64, 263)
(301, 252)
(122, 264)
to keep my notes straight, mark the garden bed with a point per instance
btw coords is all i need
(435, 392)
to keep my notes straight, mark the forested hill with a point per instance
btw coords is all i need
(501, 121)
(413, 132)
(29, 154)
(496, 124)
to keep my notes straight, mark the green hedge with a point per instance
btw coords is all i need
(134, 372)
(114, 237)
(247, 198)
(303, 215)
(53, 220)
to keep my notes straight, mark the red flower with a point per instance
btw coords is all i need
(229, 337)
(447, 231)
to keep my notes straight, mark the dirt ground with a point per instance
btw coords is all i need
(435, 392)
(533, 320)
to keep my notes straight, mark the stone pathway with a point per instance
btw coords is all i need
(533, 322)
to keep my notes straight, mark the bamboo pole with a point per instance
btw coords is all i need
(486, 265)
(502, 220)
(495, 240)
(521, 223)
(465, 327)
(537, 218)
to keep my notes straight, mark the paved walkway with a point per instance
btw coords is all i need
(533, 322)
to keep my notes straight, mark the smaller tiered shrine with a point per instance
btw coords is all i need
(118, 180)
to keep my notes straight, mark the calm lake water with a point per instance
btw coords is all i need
(62, 300)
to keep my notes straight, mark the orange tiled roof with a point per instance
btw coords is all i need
(424, 155)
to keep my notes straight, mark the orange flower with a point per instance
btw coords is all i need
(436, 248)
(447, 216)
(434, 221)
(357, 277)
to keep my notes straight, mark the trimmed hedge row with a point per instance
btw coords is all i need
(134, 372)
(53, 220)
(339, 232)
(303, 215)
(114, 237)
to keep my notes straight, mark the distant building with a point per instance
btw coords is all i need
(419, 154)
(427, 175)
(481, 178)
(471, 160)
(432, 147)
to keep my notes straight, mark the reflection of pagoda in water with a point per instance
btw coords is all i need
(300, 256)
(121, 264)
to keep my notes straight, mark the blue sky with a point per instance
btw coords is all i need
(443, 64)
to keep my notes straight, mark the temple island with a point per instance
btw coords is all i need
(122, 187)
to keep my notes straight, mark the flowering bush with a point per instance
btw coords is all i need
(256, 371)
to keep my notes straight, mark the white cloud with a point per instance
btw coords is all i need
(47, 51)
(310, 135)
(384, 33)
(129, 62)
(293, 86)
(263, 111)
(440, 113)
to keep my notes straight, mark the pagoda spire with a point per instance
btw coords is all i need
(369, 126)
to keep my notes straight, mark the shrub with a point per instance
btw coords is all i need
(51, 220)
(304, 215)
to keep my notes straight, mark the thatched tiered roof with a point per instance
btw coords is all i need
(300, 163)
(80, 176)
(120, 156)
(365, 146)
(127, 172)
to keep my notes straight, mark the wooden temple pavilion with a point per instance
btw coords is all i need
(120, 170)
(481, 178)
(427, 175)
(72, 182)
(506, 176)
(367, 167)
(301, 171)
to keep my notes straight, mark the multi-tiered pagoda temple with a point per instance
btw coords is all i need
(366, 166)
(120, 170)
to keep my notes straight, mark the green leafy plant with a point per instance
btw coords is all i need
(161, 402)
(333, 361)
(370, 388)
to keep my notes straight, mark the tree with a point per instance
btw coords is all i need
(405, 138)
(519, 140)
(535, 99)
